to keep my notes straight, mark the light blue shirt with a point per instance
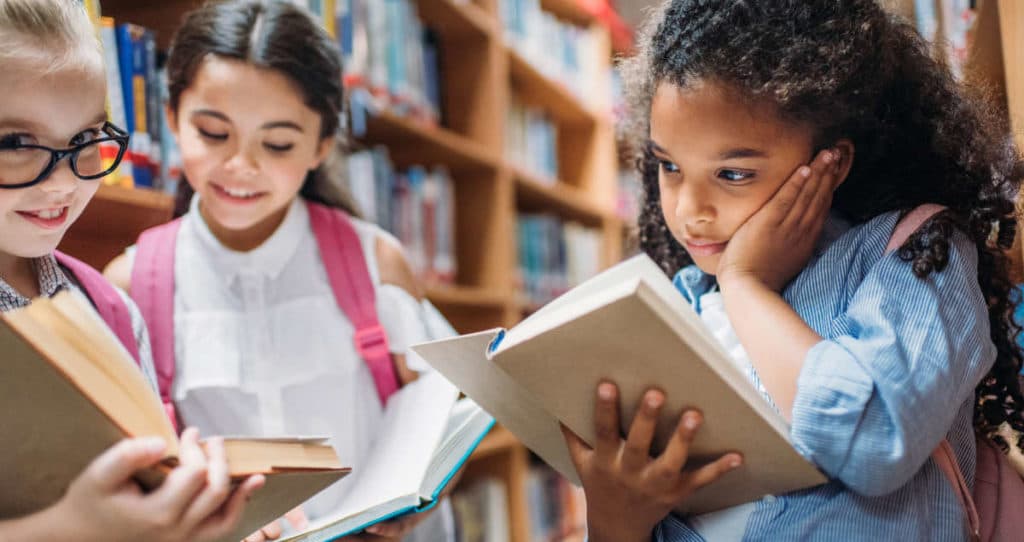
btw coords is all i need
(894, 375)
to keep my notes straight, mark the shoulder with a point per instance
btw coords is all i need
(394, 267)
(119, 271)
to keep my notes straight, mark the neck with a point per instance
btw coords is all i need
(19, 274)
(246, 239)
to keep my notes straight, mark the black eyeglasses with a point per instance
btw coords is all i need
(25, 165)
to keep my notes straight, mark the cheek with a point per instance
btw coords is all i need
(288, 174)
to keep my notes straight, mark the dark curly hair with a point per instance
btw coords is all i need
(851, 70)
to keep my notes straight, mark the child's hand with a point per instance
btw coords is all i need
(628, 492)
(775, 243)
(273, 530)
(193, 503)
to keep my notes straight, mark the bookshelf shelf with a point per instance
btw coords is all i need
(457, 20)
(498, 441)
(536, 89)
(564, 200)
(465, 296)
(414, 142)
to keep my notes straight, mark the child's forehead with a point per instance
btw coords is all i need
(51, 102)
(713, 114)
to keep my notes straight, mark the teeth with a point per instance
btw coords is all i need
(49, 214)
(239, 193)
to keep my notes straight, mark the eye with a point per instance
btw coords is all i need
(85, 136)
(279, 148)
(13, 141)
(668, 167)
(212, 135)
(734, 175)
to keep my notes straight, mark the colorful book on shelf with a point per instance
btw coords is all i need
(115, 101)
(425, 438)
(629, 325)
(132, 46)
(71, 391)
(481, 511)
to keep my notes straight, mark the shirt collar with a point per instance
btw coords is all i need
(268, 259)
(52, 279)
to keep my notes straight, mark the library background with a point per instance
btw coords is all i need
(494, 161)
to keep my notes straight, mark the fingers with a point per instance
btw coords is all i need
(190, 452)
(637, 451)
(118, 464)
(297, 518)
(258, 536)
(178, 491)
(218, 485)
(578, 450)
(606, 422)
(713, 471)
(673, 459)
(813, 182)
(219, 525)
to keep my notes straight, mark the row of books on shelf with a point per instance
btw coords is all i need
(575, 56)
(417, 205)
(531, 140)
(556, 509)
(136, 94)
(554, 256)
(387, 49)
(947, 24)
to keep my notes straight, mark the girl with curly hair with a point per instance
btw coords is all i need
(782, 141)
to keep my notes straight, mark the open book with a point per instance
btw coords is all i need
(69, 390)
(631, 326)
(426, 436)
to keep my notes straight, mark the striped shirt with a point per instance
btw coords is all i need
(894, 374)
(54, 278)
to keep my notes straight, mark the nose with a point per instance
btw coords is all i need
(61, 180)
(242, 164)
(694, 205)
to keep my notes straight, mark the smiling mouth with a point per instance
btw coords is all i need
(236, 194)
(51, 218)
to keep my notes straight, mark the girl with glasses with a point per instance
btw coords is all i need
(55, 145)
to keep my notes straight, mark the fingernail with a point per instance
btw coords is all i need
(606, 391)
(735, 462)
(828, 157)
(654, 399)
(691, 420)
(805, 171)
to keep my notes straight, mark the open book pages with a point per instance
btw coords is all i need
(70, 390)
(424, 439)
(628, 325)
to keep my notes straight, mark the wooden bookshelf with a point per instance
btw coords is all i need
(480, 76)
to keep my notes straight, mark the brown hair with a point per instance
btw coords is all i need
(275, 35)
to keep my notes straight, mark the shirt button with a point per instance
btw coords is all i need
(769, 499)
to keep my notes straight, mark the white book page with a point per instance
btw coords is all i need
(414, 423)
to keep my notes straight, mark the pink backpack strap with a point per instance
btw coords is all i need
(946, 461)
(910, 223)
(349, 276)
(152, 288)
(105, 298)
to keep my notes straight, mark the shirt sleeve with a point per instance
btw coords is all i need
(408, 321)
(875, 401)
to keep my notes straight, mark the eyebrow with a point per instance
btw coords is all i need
(266, 126)
(743, 152)
(33, 126)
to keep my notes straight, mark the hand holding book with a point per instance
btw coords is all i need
(622, 474)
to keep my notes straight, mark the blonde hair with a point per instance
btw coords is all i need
(54, 35)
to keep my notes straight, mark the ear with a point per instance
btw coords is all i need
(846, 152)
(323, 150)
